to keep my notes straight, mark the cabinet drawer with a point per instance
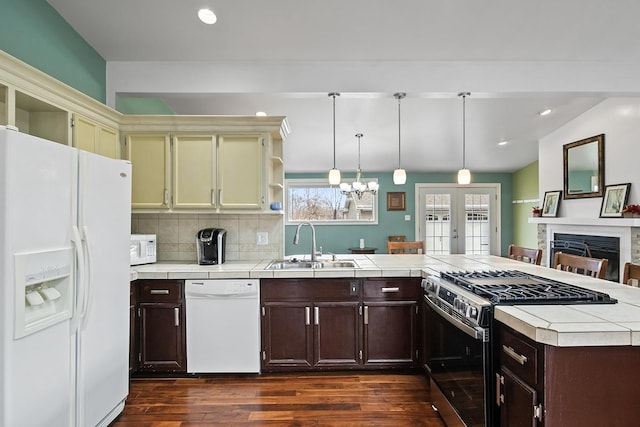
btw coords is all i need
(160, 290)
(520, 356)
(392, 289)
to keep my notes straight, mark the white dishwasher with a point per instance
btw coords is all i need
(223, 326)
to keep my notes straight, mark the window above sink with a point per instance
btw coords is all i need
(315, 201)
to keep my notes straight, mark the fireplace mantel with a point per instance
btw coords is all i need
(595, 222)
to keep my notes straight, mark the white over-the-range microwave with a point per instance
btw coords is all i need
(142, 249)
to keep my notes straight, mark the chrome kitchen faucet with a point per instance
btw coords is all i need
(296, 238)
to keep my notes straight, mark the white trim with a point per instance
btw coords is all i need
(623, 233)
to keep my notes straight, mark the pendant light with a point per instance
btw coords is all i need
(399, 175)
(464, 175)
(334, 174)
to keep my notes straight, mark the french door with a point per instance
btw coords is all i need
(453, 219)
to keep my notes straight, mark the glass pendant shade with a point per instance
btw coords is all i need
(334, 176)
(464, 176)
(399, 176)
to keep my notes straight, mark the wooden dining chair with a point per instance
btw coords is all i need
(631, 272)
(519, 253)
(594, 267)
(405, 247)
(398, 238)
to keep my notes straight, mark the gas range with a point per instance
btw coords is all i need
(470, 295)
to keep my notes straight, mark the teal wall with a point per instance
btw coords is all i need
(525, 187)
(142, 105)
(337, 238)
(35, 33)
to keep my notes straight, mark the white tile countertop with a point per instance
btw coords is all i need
(557, 325)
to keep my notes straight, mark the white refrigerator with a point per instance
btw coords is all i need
(64, 295)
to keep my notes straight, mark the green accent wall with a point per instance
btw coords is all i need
(142, 105)
(337, 238)
(35, 33)
(525, 187)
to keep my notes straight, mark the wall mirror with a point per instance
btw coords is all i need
(584, 168)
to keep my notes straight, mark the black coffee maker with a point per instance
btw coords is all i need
(210, 245)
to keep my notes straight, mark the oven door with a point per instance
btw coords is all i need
(458, 361)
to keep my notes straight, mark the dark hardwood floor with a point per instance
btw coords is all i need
(327, 399)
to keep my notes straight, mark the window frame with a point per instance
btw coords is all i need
(323, 183)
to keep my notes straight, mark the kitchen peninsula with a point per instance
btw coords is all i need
(593, 325)
(558, 357)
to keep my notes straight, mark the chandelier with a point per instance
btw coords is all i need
(360, 186)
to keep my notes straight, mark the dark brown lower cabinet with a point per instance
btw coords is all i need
(323, 324)
(550, 386)
(391, 322)
(287, 336)
(521, 402)
(337, 334)
(133, 335)
(161, 326)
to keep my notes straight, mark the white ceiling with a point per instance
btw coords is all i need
(571, 53)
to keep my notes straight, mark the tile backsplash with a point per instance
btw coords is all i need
(176, 234)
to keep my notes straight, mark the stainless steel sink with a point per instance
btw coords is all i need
(291, 264)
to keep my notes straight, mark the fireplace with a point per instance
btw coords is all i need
(591, 246)
(625, 234)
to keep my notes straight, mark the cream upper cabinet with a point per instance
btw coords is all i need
(240, 171)
(194, 171)
(150, 159)
(108, 143)
(91, 136)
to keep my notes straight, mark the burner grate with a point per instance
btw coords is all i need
(516, 287)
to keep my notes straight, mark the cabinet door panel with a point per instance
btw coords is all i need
(338, 337)
(390, 332)
(194, 171)
(240, 174)
(149, 156)
(162, 344)
(84, 134)
(287, 338)
(519, 401)
(108, 144)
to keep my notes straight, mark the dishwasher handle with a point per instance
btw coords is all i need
(214, 295)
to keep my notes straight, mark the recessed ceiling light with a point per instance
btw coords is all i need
(545, 112)
(207, 16)
(503, 142)
(261, 114)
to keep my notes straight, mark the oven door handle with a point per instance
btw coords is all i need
(475, 333)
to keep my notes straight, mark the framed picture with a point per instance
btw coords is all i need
(551, 202)
(614, 200)
(396, 201)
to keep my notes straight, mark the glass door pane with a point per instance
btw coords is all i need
(437, 228)
(458, 220)
(476, 224)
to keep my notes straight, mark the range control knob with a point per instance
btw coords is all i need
(473, 312)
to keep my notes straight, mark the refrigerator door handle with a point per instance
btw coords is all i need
(80, 278)
(86, 303)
